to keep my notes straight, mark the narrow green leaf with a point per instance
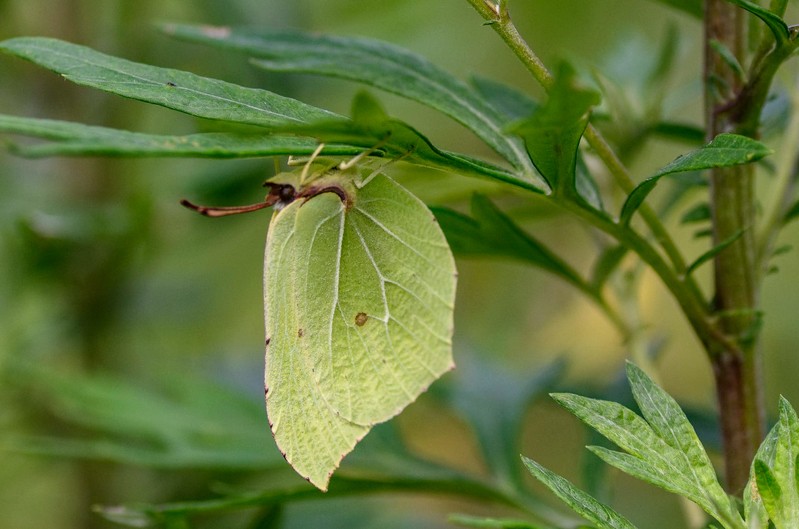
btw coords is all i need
(728, 57)
(368, 61)
(552, 134)
(175, 89)
(713, 252)
(494, 233)
(724, 151)
(776, 24)
(466, 520)
(636, 437)
(596, 512)
(77, 139)
(669, 422)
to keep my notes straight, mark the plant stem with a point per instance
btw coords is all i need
(500, 20)
(737, 369)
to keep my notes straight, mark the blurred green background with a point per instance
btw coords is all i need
(103, 274)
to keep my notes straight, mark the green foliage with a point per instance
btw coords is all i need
(371, 62)
(360, 281)
(661, 447)
(724, 151)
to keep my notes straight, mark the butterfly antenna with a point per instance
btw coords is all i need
(225, 211)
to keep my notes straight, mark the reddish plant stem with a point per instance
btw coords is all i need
(737, 367)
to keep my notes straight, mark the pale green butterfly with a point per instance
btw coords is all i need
(359, 289)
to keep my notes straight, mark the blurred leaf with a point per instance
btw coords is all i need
(199, 425)
(728, 57)
(175, 89)
(368, 61)
(713, 252)
(607, 262)
(466, 520)
(792, 213)
(582, 503)
(656, 82)
(692, 7)
(680, 132)
(699, 213)
(140, 515)
(552, 134)
(724, 151)
(489, 232)
(77, 139)
(493, 400)
(777, 26)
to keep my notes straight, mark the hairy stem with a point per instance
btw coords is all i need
(737, 368)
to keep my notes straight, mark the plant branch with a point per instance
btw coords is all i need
(499, 18)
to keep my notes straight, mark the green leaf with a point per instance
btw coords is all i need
(466, 520)
(692, 7)
(494, 400)
(669, 422)
(728, 57)
(195, 424)
(777, 481)
(754, 510)
(359, 292)
(770, 492)
(776, 24)
(490, 232)
(509, 102)
(699, 213)
(713, 252)
(76, 139)
(596, 512)
(372, 62)
(552, 134)
(175, 89)
(655, 461)
(792, 213)
(371, 127)
(725, 150)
